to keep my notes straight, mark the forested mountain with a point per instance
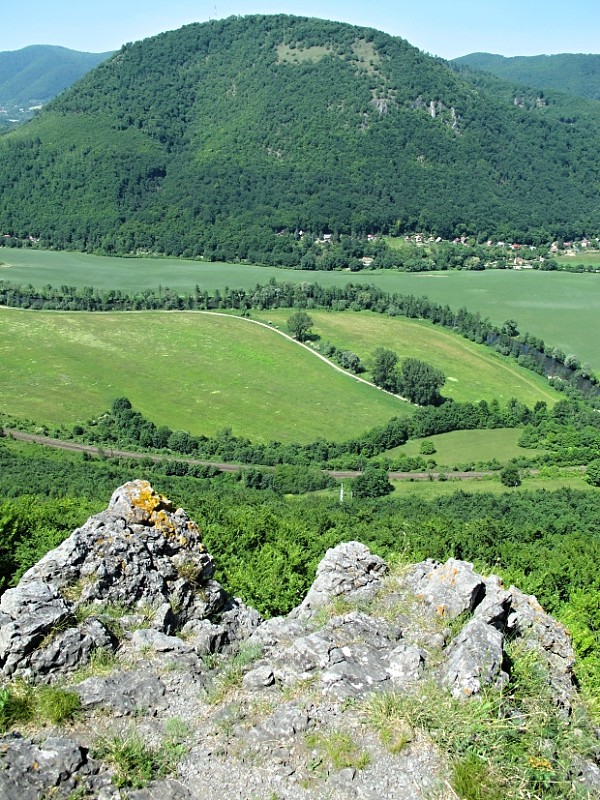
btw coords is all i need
(34, 75)
(575, 73)
(227, 139)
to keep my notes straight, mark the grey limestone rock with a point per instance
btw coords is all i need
(29, 770)
(475, 659)
(406, 664)
(449, 589)
(150, 639)
(258, 678)
(542, 633)
(350, 570)
(141, 555)
(144, 560)
(123, 693)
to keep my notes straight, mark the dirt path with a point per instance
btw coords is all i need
(112, 452)
(310, 349)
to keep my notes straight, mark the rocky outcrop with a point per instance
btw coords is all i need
(260, 701)
(141, 561)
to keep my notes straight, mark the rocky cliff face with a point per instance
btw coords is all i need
(371, 688)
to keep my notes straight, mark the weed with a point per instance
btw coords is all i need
(72, 591)
(336, 750)
(59, 627)
(176, 729)
(136, 763)
(338, 607)
(299, 687)
(189, 571)
(16, 705)
(471, 780)
(456, 625)
(56, 705)
(102, 662)
(501, 746)
(232, 672)
(385, 713)
(21, 703)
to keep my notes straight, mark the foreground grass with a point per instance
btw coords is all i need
(189, 371)
(501, 746)
(561, 307)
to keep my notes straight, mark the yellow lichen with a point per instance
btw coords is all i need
(146, 499)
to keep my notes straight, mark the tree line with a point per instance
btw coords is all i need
(123, 426)
(530, 351)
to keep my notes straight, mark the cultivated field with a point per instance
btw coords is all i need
(190, 371)
(473, 372)
(561, 307)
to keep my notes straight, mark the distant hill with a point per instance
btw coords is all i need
(34, 75)
(576, 73)
(227, 139)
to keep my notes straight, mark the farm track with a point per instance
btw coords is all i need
(110, 452)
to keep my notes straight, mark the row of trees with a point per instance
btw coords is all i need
(125, 427)
(531, 351)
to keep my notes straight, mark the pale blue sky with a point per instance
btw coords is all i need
(447, 28)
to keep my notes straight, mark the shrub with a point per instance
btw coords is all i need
(510, 475)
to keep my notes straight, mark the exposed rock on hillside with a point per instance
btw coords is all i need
(335, 700)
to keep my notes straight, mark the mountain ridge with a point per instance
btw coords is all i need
(575, 73)
(227, 139)
(35, 74)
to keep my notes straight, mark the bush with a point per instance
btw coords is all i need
(592, 472)
(374, 482)
(510, 475)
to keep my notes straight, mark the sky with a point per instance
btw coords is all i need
(446, 28)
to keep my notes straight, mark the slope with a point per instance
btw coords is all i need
(193, 372)
(575, 73)
(227, 138)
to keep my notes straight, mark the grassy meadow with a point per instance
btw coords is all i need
(190, 371)
(429, 490)
(563, 308)
(463, 447)
(473, 372)
(587, 259)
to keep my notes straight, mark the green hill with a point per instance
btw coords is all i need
(575, 73)
(226, 139)
(34, 75)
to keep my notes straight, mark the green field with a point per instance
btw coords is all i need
(561, 307)
(587, 259)
(463, 447)
(190, 371)
(428, 490)
(473, 372)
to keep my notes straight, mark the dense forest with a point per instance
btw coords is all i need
(575, 73)
(249, 138)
